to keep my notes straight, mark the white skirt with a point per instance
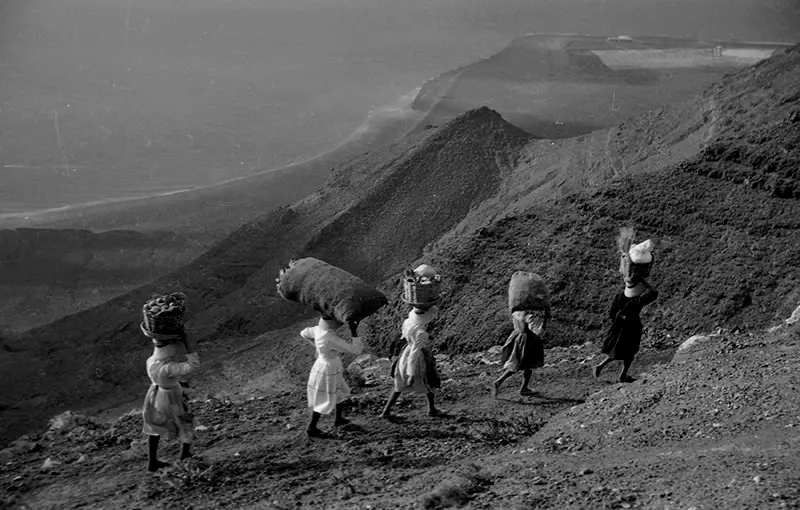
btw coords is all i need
(326, 385)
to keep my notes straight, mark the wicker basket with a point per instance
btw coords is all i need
(164, 315)
(421, 292)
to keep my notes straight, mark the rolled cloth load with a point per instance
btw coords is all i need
(527, 291)
(331, 291)
(163, 314)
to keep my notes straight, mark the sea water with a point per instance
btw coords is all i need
(109, 100)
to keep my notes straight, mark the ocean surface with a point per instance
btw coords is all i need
(108, 100)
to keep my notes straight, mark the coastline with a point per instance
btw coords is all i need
(217, 209)
(206, 209)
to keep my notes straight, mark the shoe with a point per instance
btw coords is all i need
(316, 433)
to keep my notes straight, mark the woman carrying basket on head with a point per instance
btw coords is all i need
(415, 369)
(624, 336)
(165, 411)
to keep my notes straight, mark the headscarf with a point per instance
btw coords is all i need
(158, 339)
(329, 324)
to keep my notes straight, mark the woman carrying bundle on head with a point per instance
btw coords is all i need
(165, 411)
(340, 298)
(624, 336)
(415, 369)
(524, 348)
(327, 388)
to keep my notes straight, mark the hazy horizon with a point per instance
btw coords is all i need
(115, 99)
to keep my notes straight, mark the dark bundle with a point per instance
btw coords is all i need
(163, 314)
(527, 291)
(331, 291)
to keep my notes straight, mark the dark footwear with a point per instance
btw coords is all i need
(597, 371)
(527, 392)
(315, 432)
(627, 379)
(436, 413)
(153, 467)
(341, 422)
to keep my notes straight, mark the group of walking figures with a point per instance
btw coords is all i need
(166, 413)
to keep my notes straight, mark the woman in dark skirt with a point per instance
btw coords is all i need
(625, 334)
(523, 351)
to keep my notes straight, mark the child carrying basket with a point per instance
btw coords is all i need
(165, 411)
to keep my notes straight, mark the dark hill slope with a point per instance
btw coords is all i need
(46, 274)
(408, 193)
(713, 181)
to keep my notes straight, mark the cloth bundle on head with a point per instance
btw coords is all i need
(641, 253)
(426, 271)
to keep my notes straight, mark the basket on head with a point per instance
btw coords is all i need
(422, 287)
(164, 314)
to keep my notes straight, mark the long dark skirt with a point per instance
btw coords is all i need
(623, 339)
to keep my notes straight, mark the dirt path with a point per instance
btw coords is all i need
(578, 443)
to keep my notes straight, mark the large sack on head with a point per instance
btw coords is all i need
(331, 291)
(527, 291)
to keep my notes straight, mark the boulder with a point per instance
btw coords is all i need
(692, 347)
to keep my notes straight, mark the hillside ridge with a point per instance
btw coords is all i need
(479, 198)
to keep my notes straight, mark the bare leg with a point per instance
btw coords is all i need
(153, 463)
(340, 419)
(432, 411)
(186, 451)
(599, 368)
(526, 380)
(623, 376)
(496, 386)
(392, 399)
(312, 429)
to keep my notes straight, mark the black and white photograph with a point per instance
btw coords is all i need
(399, 254)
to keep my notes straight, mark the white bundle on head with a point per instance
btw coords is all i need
(425, 270)
(641, 253)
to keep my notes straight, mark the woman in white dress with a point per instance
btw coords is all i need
(327, 388)
(415, 370)
(165, 411)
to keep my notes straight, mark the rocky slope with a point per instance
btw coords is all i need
(712, 427)
(479, 198)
